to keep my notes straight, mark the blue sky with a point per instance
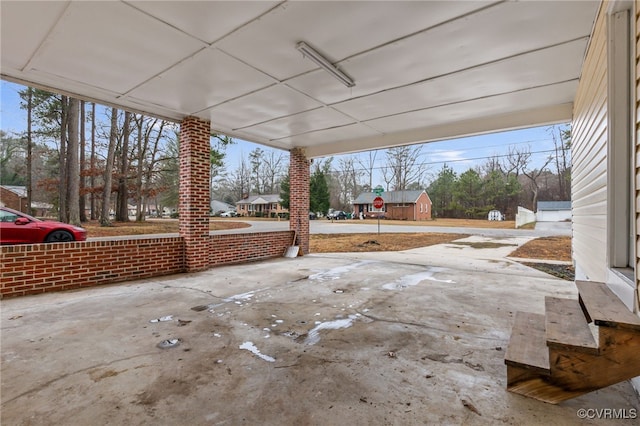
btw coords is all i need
(460, 154)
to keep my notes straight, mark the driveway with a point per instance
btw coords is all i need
(407, 338)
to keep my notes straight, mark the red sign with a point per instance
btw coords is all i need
(378, 202)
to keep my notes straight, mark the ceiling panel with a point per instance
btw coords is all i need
(204, 80)
(337, 29)
(457, 45)
(322, 118)
(343, 133)
(205, 20)
(478, 108)
(267, 104)
(84, 47)
(476, 83)
(12, 21)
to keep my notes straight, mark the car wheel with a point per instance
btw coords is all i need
(59, 237)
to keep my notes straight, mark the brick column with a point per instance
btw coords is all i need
(299, 197)
(193, 207)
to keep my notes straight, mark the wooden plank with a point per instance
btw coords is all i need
(527, 346)
(601, 305)
(566, 327)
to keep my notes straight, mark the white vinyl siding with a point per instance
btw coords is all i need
(637, 119)
(589, 161)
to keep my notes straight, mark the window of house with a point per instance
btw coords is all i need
(621, 152)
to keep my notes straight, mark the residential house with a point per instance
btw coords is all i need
(263, 205)
(218, 207)
(398, 205)
(553, 211)
(14, 197)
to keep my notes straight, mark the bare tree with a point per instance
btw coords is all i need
(62, 167)
(106, 193)
(517, 159)
(534, 181)
(274, 165)
(83, 143)
(562, 145)
(492, 164)
(403, 167)
(368, 165)
(92, 160)
(29, 105)
(348, 180)
(73, 163)
(122, 203)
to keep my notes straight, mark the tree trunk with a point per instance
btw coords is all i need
(140, 171)
(94, 212)
(83, 197)
(29, 150)
(73, 163)
(62, 184)
(108, 170)
(122, 214)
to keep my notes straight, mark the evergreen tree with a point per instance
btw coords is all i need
(441, 191)
(318, 192)
(284, 192)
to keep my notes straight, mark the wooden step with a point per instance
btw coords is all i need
(527, 347)
(604, 308)
(566, 326)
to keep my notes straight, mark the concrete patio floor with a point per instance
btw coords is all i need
(408, 338)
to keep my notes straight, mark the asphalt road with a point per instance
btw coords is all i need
(322, 226)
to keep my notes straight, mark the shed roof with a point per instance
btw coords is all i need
(554, 205)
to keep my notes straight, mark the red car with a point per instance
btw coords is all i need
(20, 228)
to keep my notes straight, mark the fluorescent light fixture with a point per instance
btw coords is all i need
(323, 63)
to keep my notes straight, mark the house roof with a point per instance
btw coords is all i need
(423, 70)
(217, 206)
(261, 199)
(20, 191)
(389, 197)
(554, 205)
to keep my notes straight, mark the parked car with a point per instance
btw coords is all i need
(337, 215)
(230, 213)
(20, 228)
(495, 215)
(312, 216)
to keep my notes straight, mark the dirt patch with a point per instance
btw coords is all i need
(150, 227)
(453, 223)
(483, 245)
(340, 243)
(550, 248)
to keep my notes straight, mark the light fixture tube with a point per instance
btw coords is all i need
(323, 63)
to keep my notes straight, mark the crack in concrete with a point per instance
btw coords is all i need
(415, 324)
(83, 370)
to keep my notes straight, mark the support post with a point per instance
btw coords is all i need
(193, 207)
(299, 197)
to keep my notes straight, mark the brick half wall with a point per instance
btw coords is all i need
(39, 268)
(229, 249)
